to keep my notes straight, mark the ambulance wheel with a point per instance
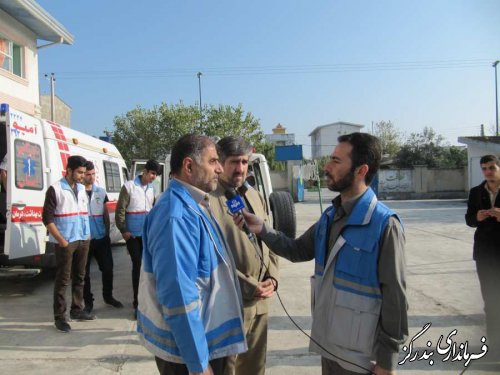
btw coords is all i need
(283, 210)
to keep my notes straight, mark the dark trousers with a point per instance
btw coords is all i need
(488, 272)
(134, 247)
(100, 249)
(70, 263)
(169, 368)
(329, 367)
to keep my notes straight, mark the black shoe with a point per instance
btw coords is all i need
(62, 326)
(113, 302)
(88, 308)
(82, 315)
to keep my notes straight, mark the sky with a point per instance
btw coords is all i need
(299, 63)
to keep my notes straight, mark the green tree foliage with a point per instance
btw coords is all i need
(150, 133)
(427, 148)
(453, 157)
(389, 136)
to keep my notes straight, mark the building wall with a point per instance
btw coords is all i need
(279, 180)
(20, 92)
(422, 183)
(474, 154)
(325, 139)
(281, 139)
(62, 110)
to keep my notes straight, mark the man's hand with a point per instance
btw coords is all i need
(253, 222)
(482, 215)
(377, 370)
(265, 289)
(127, 236)
(495, 212)
(208, 371)
(63, 243)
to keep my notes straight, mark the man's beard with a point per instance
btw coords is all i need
(341, 184)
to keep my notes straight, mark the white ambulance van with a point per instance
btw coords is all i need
(36, 153)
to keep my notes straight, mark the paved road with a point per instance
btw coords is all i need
(442, 286)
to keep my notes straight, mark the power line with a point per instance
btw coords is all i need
(277, 69)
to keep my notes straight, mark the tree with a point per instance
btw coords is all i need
(427, 148)
(151, 133)
(453, 157)
(223, 120)
(389, 136)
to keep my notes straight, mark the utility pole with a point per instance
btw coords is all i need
(496, 95)
(52, 96)
(199, 90)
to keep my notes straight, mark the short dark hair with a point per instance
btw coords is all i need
(366, 149)
(189, 145)
(89, 165)
(233, 146)
(487, 158)
(153, 165)
(75, 161)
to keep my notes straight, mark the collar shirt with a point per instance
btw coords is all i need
(492, 194)
(342, 213)
(199, 196)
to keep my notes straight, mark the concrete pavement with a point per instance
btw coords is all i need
(442, 287)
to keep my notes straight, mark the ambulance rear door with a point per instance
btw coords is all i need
(26, 180)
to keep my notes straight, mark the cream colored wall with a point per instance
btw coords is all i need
(21, 93)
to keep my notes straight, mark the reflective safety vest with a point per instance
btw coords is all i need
(140, 203)
(96, 212)
(346, 293)
(71, 215)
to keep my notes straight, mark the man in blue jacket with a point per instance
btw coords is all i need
(358, 288)
(190, 309)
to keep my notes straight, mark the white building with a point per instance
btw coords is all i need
(280, 137)
(476, 148)
(22, 24)
(324, 137)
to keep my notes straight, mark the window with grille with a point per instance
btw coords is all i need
(112, 176)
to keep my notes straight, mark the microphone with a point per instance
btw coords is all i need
(235, 204)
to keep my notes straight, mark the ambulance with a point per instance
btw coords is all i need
(36, 153)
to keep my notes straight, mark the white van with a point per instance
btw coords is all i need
(37, 151)
(279, 204)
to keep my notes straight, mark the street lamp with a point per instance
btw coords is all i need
(496, 95)
(199, 90)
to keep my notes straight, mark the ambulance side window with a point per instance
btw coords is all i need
(28, 169)
(112, 176)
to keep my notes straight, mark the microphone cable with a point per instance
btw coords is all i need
(253, 240)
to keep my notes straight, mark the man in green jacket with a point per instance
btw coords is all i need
(257, 266)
